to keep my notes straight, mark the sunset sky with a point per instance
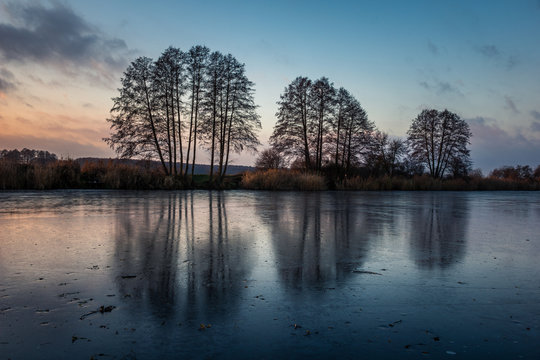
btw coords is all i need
(61, 62)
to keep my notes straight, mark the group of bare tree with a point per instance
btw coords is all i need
(517, 173)
(439, 139)
(28, 156)
(320, 126)
(170, 107)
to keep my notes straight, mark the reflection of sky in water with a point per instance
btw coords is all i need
(371, 272)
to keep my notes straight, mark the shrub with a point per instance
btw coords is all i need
(282, 179)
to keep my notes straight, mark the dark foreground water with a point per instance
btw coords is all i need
(269, 275)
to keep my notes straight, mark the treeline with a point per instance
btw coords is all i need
(144, 175)
(325, 130)
(504, 178)
(168, 108)
(101, 174)
(28, 156)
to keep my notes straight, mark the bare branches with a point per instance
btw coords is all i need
(180, 99)
(439, 139)
(318, 125)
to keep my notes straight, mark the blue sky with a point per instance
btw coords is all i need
(480, 59)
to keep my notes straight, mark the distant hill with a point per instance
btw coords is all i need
(200, 169)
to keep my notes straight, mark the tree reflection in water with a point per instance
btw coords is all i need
(183, 252)
(317, 238)
(439, 223)
(191, 252)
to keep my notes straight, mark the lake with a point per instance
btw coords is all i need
(245, 274)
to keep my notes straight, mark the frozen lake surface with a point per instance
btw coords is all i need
(240, 274)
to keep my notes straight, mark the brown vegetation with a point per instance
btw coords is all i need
(282, 179)
(68, 174)
(111, 174)
(53, 175)
(295, 180)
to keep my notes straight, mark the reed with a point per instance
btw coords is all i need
(69, 174)
(282, 179)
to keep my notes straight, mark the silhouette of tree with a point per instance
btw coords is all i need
(169, 75)
(385, 154)
(241, 121)
(214, 85)
(318, 124)
(321, 105)
(460, 167)
(269, 159)
(291, 133)
(357, 137)
(517, 173)
(229, 120)
(28, 156)
(437, 138)
(197, 59)
(211, 89)
(344, 101)
(135, 123)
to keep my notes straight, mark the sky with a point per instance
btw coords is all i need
(61, 63)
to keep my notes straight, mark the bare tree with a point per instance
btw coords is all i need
(316, 123)
(197, 59)
(229, 120)
(213, 87)
(321, 104)
(135, 123)
(147, 116)
(438, 138)
(343, 103)
(269, 159)
(169, 83)
(240, 129)
(291, 132)
(385, 153)
(357, 137)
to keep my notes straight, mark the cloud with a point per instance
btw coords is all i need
(510, 104)
(490, 51)
(535, 126)
(440, 87)
(433, 48)
(74, 135)
(57, 145)
(511, 62)
(535, 114)
(7, 81)
(493, 53)
(6, 86)
(56, 36)
(492, 146)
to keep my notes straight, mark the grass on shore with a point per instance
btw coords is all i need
(293, 180)
(68, 174)
(281, 179)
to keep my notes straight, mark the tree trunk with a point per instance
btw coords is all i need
(214, 115)
(179, 127)
(173, 131)
(195, 134)
(168, 130)
(224, 128)
(190, 125)
(152, 125)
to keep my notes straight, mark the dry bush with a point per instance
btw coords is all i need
(281, 179)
